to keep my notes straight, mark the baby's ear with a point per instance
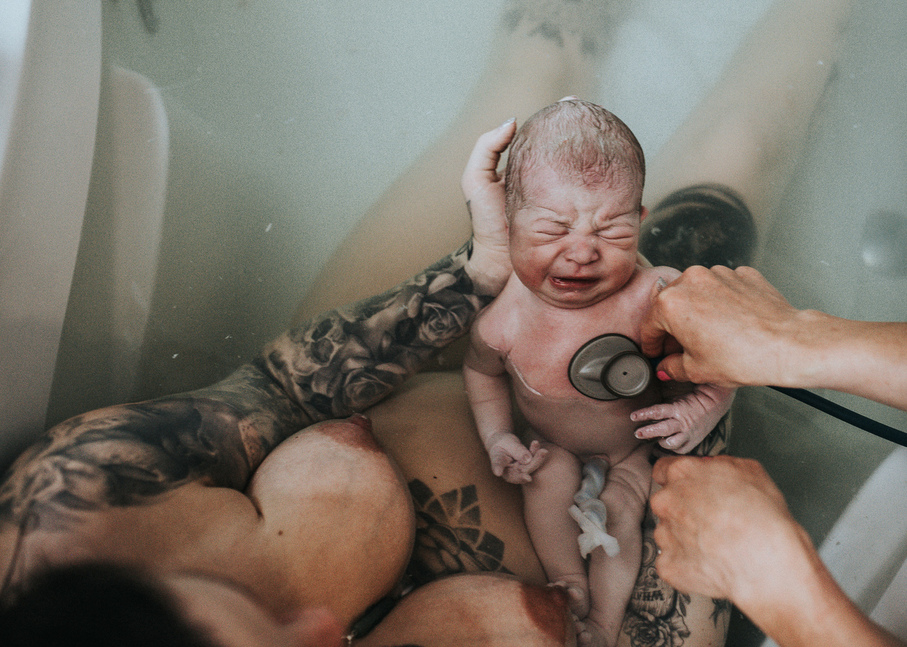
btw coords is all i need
(643, 212)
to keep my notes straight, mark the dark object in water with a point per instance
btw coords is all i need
(707, 224)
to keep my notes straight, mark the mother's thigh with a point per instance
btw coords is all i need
(468, 520)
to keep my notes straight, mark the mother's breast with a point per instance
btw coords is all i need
(336, 518)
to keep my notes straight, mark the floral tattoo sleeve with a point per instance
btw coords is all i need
(351, 358)
(334, 365)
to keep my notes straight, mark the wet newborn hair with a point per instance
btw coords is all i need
(581, 140)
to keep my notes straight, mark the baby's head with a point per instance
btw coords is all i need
(573, 201)
(581, 141)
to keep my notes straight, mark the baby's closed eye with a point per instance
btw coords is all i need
(548, 229)
(618, 234)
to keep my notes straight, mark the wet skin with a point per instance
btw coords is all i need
(269, 539)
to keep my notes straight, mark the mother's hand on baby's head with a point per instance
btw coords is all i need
(483, 188)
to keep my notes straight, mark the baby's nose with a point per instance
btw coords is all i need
(582, 250)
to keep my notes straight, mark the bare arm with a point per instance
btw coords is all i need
(332, 365)
(735, 329)
(488, 391)
(489, 399)
(761, 560)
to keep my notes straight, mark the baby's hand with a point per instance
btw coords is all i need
(512, 460)
(683, 422)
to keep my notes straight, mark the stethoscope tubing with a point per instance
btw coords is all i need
(603, 347)
(835, 410)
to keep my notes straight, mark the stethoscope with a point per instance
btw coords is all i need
(612, 366)
(609, 367)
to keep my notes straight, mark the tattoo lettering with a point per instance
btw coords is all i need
(351, 358)
(449, 535)
(657, 613)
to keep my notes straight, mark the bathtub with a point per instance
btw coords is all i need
(846, 487)
(50, 70)
(206, 179)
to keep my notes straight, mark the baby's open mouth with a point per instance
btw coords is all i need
(566, 282)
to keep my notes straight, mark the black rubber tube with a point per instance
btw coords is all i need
(843, 413)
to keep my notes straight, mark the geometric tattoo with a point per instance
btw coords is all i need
(449, 535)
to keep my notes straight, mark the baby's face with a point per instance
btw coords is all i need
(574, 245)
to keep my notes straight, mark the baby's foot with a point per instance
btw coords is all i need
(590, 634)
(577, 589)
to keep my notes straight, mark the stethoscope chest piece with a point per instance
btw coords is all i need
(609, 367)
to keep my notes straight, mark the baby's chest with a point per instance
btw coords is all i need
(540, 355)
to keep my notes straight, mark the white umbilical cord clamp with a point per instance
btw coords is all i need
(590, 513)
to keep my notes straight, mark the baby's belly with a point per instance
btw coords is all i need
(583, 425)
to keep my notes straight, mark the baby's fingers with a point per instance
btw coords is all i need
(502, 462)
(538, 457)
(655, 412)
(679, 443)
(660, 429)
(517, 477)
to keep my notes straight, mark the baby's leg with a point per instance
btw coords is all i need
(554, 533)
(611, 579)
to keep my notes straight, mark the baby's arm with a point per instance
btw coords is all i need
(686, 417)
(489, 397)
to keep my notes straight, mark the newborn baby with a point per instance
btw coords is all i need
(574, 184)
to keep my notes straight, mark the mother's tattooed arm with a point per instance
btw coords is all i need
(350, 358)
(333, 365)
